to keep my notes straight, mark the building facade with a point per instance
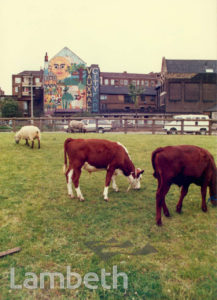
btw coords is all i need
(27, 86)
(67, 85)
(117, 99)
(125, 79)
(188, 86)
(114, 92)
(64, 83)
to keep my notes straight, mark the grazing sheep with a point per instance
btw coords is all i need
(28, 133)
(76, 125)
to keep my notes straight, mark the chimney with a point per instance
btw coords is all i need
(46, 57)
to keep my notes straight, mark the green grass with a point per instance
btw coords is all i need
(54, 230)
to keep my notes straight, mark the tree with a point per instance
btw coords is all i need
(10, 108)
(135, 93)
(79, 68)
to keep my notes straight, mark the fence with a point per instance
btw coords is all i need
(152, 125)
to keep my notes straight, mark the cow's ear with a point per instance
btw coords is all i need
(140, 173)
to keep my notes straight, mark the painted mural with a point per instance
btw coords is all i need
(65, 78)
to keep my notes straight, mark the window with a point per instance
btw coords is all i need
(26, 90)
(26, 80)
(37, 80)
(25, 105)
(146, 83)
(101, 80)
(16, 89)
(121, 82)
(134, 82)
(152, 83)
(138, 82)
(128, 99)
(106, 81)
(103, 97)
(112, 82)
(125, 82)
(209, 70)
(142, 82)
(17, 80)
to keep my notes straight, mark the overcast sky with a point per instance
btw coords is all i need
(118, 35)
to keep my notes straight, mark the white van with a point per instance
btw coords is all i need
(199, 124)
(103, 125)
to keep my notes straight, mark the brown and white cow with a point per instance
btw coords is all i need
(97, 154)
(183, 165)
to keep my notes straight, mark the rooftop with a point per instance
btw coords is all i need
(191, 66)
(126, 75)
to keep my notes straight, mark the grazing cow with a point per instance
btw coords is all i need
(76, 125)
(96, 154)
(183, 165)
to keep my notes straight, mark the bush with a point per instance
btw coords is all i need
(10, 109)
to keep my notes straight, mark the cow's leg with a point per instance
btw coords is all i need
(114, 185)
(165, 209)
(184, 192)
(160, 202)
(75, 179)
(69, 174)
(32, 143)
(27, 142)
(109, 175)
(203, 194)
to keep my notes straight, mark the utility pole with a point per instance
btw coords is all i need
(31, 87)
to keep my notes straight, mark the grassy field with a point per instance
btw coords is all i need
(175, 261)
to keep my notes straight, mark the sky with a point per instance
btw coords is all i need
(118, 35)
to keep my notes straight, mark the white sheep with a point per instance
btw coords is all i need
(28, 133)
(79, 125)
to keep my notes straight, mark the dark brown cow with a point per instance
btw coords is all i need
(93, 155)
(183, 165)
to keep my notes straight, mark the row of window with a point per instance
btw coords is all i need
(126, 82)
(27, 80)
(128, 98)
(24, 89)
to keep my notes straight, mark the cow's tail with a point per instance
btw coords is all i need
(154, 153)
(65, 154)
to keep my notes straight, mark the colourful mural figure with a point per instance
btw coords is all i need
(59, 66)
(65, 83)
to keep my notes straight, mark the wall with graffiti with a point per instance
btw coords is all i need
(65, 78)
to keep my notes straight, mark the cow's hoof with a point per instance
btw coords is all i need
(81, 199)
(167, 214)
(178, 209)
(106, 199)
(71, 196)
(159, 223)
(204, 208)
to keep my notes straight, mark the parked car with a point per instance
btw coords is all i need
(103, 125)
(192, 124)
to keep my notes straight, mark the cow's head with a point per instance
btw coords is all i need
(134, 179)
